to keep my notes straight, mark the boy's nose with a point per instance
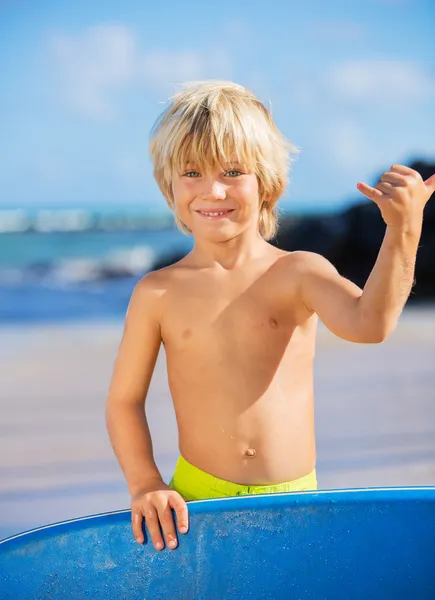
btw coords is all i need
(215, 191)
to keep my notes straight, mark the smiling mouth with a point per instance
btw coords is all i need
(215, 214)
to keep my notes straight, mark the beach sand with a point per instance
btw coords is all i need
(375, 417)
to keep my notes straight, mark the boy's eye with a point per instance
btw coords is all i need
(231, 173)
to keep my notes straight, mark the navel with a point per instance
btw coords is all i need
(250, 452)
(187, 333)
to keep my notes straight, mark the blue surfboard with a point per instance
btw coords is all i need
(351, 544)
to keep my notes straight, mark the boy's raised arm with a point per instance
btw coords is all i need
(335, 299)
(370, 315)
(125, 406)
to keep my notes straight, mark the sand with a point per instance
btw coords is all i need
(375, 417)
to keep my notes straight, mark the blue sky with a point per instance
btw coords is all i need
(351, 83)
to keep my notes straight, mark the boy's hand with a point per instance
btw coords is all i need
(401, 195)
(155, 504)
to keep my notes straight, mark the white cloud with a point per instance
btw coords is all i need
(381, 82)
(93, 64)
(374, 84)
(102, 60)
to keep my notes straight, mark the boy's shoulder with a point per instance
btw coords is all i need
(147, 295)
(304, 261)
(155, 283)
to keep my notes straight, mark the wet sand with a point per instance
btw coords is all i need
(375, 417)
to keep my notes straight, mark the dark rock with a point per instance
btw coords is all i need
(324, 234)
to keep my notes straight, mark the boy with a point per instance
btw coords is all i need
(238, 316)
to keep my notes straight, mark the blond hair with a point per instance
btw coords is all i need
(209, 123)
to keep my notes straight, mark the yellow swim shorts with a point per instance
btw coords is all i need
(194, 484)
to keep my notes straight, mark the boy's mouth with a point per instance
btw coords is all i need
(215, 214)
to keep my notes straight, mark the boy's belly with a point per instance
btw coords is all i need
(244, 404)
(272, 442)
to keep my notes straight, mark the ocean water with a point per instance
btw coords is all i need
(78, 264)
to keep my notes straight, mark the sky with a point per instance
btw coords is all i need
(351, 83)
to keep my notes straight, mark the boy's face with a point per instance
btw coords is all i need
(217, 204)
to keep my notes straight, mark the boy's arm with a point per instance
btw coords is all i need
(125, 406)
(370, 315)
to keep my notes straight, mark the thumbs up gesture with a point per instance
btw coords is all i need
(401, 195)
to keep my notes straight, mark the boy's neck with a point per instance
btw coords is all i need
(229, 255)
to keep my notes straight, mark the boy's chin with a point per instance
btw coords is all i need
(218, 235)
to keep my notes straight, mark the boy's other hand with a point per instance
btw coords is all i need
(401, 195)
(155, 504)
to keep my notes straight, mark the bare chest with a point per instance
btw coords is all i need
(228, 324)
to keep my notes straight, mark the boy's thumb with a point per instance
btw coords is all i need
(430, 183)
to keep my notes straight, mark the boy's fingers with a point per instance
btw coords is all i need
(158, 516)
(152, 522)
(136, 523)
(402, 169)
(180, 507)
(395, 178)
(369, 192)
(168, 525)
